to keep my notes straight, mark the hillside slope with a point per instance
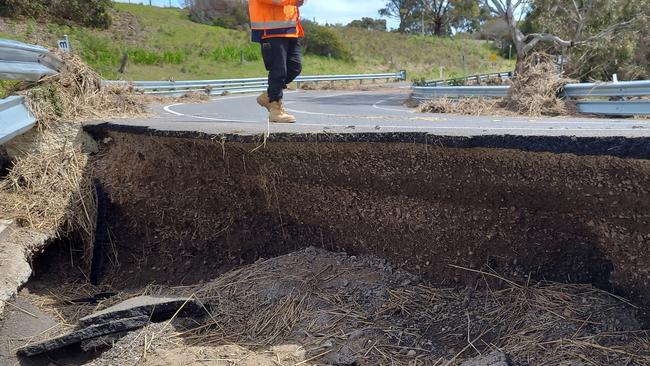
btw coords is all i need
(165, 44)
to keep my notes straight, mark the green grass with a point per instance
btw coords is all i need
(164, 44)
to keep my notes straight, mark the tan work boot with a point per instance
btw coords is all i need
(278, 115)
(263, 101)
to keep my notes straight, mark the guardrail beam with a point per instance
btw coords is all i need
(15, 118)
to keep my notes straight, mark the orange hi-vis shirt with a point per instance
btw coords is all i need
(275, 18)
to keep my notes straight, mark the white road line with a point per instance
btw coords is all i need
(168, 109)
(376, 105)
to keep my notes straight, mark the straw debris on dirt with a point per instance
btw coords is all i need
(48, 187)
(343, 85)
(315, 307)
(534, 92)
(466, 106)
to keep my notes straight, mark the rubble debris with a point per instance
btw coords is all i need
(156, 308)
(109, 325)
(330, 308)
(493, 359)
(94, 344)
(80, 335)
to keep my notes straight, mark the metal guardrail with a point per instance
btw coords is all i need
(640, 107)
(617, 90)
(15, 118)
(473, 78)
(20, 61)
(234, 86)
(429, 92)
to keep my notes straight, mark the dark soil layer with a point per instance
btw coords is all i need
(4, 162)
(183, 209)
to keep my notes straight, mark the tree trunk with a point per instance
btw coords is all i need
(519, 67)
(439, 28)
(517, 39)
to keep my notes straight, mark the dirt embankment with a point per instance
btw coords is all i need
(184, 209)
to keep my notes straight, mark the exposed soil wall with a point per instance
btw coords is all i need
(182, 209)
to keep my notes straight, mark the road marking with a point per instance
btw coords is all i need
(376, 105)
(168, 109)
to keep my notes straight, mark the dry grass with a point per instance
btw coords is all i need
(49, 185)
(190, 97)
(465, 106)
(344, 85)
(51, 191)
(77, 94)
(326, 302)
(292, 301)
(535, 91)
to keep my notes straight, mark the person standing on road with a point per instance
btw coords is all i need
(276, 25)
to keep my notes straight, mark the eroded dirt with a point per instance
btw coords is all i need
(183, 210)
(314, 307)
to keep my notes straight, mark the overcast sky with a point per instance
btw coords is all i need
(324, 11)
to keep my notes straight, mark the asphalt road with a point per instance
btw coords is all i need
(367, 111)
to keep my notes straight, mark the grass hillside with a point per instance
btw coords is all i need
(165, 44)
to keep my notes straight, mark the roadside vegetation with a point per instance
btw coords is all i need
(164, 43)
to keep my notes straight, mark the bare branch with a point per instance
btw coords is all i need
(534, 38)
(612, 30)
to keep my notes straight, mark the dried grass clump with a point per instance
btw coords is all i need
(342, 85)
(51, 191)
(48, 187)
(465, 106)
(76, 94)
(190, 97)
(535, 90)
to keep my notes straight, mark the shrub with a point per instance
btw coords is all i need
(97, 51)
(237, 18)
(456, 80)
(421, 81)
(322, 41)
(28, 8)
(146, 57)
(232, 53)
(92, 13)
(369, 23)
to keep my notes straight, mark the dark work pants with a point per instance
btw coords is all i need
(283, 62)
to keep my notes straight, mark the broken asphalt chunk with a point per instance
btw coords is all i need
(157, 308)
(80, 335)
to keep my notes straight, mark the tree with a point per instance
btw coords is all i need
(607, 35)
(525, 43)
(402, 10)
(443, 15)
(369, 23)
(434, 17)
